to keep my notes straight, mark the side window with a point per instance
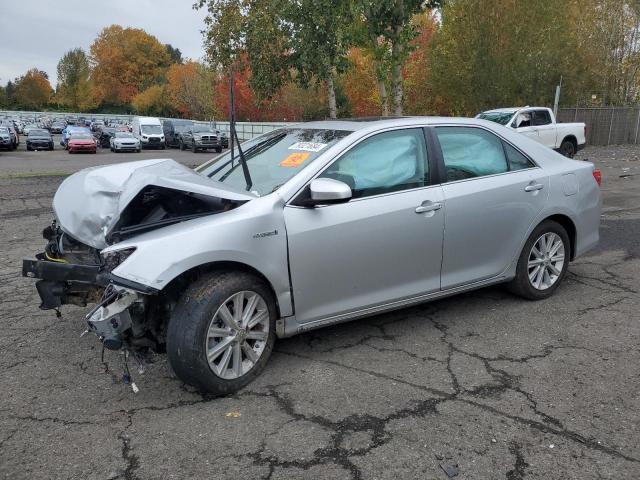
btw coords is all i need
(523, 120)
(541, 117)
(387, 162)
(470, 152)
(517, 161)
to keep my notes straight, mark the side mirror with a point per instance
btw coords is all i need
(328, 190)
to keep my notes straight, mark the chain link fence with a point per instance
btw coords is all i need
(606, 125)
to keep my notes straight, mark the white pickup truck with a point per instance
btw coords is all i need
(540, 124)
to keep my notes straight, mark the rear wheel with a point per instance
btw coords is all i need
(543, 262)
(222, 332)
(568, 148)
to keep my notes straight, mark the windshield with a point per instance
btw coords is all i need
(123, 135)
(202, 129)
(273, 158)
(498, 117)
(151, 129)
(38, 132)
(80, 135)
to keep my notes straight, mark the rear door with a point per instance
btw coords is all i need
(492, 193)
(382, 246)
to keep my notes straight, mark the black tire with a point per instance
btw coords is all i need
(521, 285)
(219, 150)
(189, 325)
(194, 149)
(181, 145)
(138, 150)
(568, 148)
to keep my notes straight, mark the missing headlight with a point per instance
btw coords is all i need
(114, 258)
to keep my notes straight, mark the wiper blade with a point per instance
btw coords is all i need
(243, 161)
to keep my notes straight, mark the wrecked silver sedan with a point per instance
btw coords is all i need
(307, 226)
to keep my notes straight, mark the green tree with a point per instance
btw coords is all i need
(490, 54)
(75, 90)
(388, 33)
(175, 55)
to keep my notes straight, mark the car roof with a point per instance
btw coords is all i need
(375, 123)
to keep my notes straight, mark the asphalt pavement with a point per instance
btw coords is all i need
(483, 385)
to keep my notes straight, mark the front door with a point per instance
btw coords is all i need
(384, 245)
(546, 128)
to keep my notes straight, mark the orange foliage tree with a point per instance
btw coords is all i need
(360, 85)
(190, 87)
(419, 98)
(125, 61)
(32, 90)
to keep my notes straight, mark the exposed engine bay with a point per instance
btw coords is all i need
(127, 316)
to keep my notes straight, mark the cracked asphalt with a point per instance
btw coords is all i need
(485, 384)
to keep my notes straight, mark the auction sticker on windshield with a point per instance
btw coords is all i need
(294, 160)
(308, 146)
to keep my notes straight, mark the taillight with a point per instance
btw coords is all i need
(597, 174)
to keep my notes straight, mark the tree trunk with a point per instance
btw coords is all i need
(380, 79)
(331, 96)
(396, 77)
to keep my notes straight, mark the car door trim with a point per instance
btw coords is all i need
(292, 327)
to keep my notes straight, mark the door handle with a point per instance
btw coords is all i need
(533, 187)
(428, 206)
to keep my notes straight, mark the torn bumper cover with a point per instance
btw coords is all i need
(65, 283)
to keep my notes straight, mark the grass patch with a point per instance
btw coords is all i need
(34, 174)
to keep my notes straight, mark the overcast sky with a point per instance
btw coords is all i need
(36, 33)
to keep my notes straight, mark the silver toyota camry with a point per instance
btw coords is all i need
(307, 226)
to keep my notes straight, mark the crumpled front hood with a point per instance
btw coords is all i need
(88, 204)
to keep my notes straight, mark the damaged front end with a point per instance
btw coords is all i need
(100, 207)
(71, 273)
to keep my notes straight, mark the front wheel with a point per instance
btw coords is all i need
(194, 149)
(181, 145)
(543, 262)
(222, 332)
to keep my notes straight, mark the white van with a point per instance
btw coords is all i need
(149, 131)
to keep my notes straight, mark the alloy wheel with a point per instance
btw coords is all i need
(237, 335)
(546, 261)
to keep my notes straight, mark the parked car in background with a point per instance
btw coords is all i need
(149, 131)
(39, 139)
(199, 137)
(68, 130)
(315, 224)
(15, 136)
(81, 142)
(29, 127)
(124, 142)
(97, 125)
(540, 124)
(104, 136)
(57, 127)
(6, 143)
(171, 129)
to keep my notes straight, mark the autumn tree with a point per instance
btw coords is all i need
(419, 95)
(32, 90)
(360, 85)
(126, 61)
(190, 87)
(389, 33)
(153, 101)
(75, 89)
